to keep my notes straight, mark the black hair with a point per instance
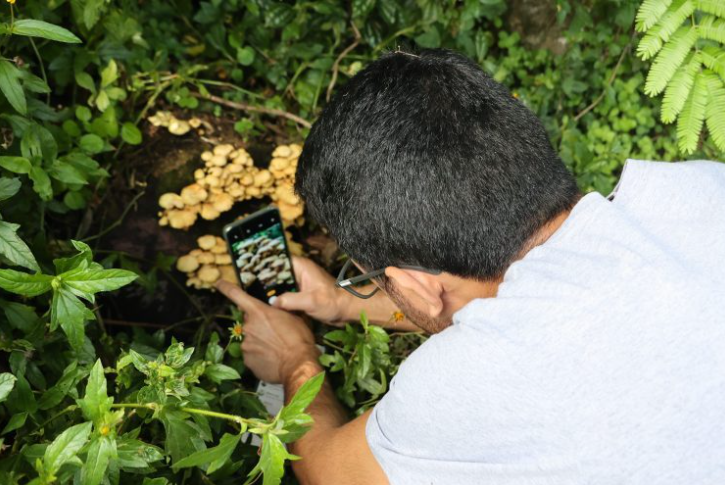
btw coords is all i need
(423, 159)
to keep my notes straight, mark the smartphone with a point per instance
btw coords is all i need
(260, 255)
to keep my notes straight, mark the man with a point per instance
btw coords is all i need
(576, 339)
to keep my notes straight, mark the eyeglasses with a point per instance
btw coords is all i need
(347, 284)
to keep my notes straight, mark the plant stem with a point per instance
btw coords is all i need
(204, 412)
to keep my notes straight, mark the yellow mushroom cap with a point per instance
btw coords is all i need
(181, 219)
(187, 264)
(193, 194)
(171, 201)
(208, 273)
(223, 150)
(206, 258)
(206, 242)
(222, 202)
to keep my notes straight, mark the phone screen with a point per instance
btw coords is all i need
(260, 255)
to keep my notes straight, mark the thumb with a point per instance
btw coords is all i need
(292, 301)
(240, 297)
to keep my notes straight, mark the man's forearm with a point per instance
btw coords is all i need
(326, 411)
(380, 310)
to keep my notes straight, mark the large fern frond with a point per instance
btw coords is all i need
(712, 28)
(659, 34)
(714, 7)
(714, 59)
(715, 113)
(689, 124)
(669, 60)
(650, 12)
(678, 90)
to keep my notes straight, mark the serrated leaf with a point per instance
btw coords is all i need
(11, 87)
(669, 60)
(215, 457)
(650, 12)
(271, 461)
(23, 283)
(9, 187)
(100, 452)
(96, 403)
(7, 382)
(70, 313)
(689, 124)
(38, 28)
(14, 248)
(65, 447)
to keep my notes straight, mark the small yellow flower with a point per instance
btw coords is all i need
(11, 2)
(398, 316)
(105, 429)
(237, 331)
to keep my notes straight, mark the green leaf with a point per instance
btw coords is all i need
(361, 8)
(53, 396)
(714, 7)
(100, 452)
(429, 39)
(23, 283)
(133, 453)
(302, 398)
(16, 421)
(712, 28)
(38, 28)
(650, 12)
(41, 183)
(67, 173)
(9, 187)
(689, 125)
(70, 313)
(678, 90)
(130, 134)
(14, 248)
(109, 75)
(7, 382)
(96, 403)
(221, 372)
(245, 56)
(84, 258)
(91, 144)
(35, 84)
(11, 87)
(65, 447)
(215, 457)
(271, 461)
(16, 164)
(669, 60)
(182, 436)
(715, 113)
(93, 280)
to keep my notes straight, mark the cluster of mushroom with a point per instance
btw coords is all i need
(229, 176)
(175, 126)
(207, 264)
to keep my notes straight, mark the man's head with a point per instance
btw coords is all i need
(425, 160)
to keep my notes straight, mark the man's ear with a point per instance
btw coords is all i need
(418, 284)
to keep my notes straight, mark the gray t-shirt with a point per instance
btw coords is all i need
(601, 360)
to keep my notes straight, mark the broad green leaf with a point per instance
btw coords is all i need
(182, 435)
(96, 403)
(16, 164)
(38, 28)
(133, 453)
(221, 372)
(22, 317)
(100, 452)
(155, 481)
(70, 313)
(21, 399)
(109, 75)
(53, 396)
(271, 461)
(23, 283)
(66, 446)
(14, 248)
(67, 173)
(83, 258)
(11, 87)
(91, 144)
(9, 187)
(302, 398)
(130, 134)
(7, 382)
(16, 421)
(245, 55)
(93, 280)
(215, 457)
(41, 183)
(35, 84)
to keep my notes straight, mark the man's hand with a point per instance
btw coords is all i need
(275, 342)
(318, 296)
